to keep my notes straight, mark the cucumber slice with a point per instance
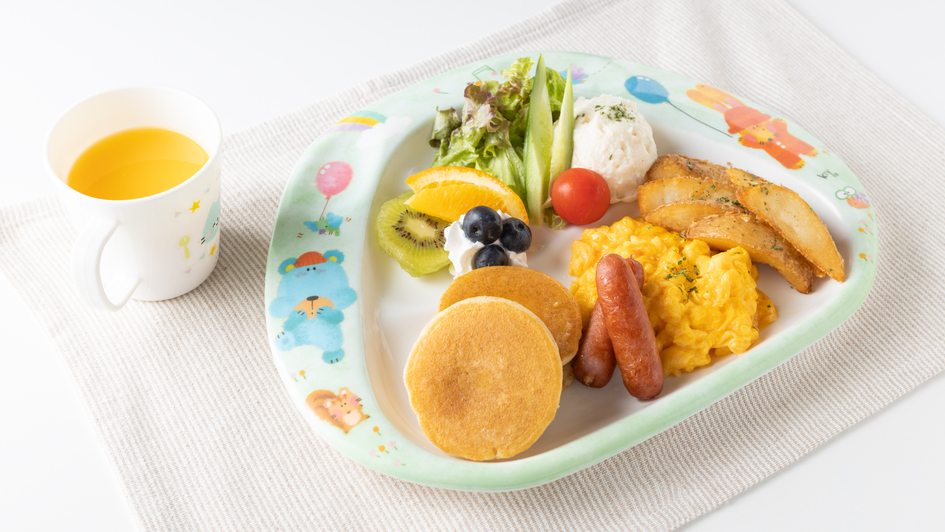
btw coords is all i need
(563, 147)
(539, 135)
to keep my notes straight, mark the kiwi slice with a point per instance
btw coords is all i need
(412, 238)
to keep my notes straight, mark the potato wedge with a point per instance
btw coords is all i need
(763, 244)
(654, 194)
(675, 165)
(795, 220)
(680, 215)
(741, 178)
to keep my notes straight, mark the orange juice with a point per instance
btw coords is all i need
(136, 163)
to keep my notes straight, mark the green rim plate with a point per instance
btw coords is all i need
(342, 364)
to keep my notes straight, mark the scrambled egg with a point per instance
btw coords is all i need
(700, 304)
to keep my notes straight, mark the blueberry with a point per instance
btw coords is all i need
(482, 224)
(516, 236)
(492, 255)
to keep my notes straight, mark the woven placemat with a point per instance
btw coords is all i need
(189, 406)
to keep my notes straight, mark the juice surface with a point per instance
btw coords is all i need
(136, 163)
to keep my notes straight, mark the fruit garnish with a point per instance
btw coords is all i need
(491, 255)
(411, 237)
(482, 224)
(516, 236)
(493, 193)
(580, 196)
(442, 175)
(451, 200)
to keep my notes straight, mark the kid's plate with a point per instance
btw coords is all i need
(342, 316)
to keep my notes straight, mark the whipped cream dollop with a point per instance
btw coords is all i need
(462, 251)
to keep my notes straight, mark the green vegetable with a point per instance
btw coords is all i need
(554, 221)
(539, 136)
(556, 90)
(482, 137)
(563, 146)
(443, 124)
(512, 97)
(506, 166)
(489, 133)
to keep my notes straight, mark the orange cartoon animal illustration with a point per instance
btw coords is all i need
(754, 128)
(342, 410)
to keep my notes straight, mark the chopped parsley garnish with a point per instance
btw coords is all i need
(684, 272)
(617, 113)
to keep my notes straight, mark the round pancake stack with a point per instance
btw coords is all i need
(484, 378)
(550, 300)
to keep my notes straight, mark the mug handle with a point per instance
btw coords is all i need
(86, 267)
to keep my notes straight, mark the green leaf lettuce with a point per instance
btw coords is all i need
(489, 133)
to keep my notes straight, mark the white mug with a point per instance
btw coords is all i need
(151, 248)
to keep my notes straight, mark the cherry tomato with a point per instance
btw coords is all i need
(580, 196)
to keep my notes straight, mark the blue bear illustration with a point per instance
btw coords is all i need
(212, 224)
(312, 293)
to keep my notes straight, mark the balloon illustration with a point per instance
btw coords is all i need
(651, 91)
(332, 179)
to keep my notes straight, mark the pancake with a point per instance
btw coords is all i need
(484, 378)
(567, 373)
(547, 298)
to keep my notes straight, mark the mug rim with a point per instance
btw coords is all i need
(213, 156)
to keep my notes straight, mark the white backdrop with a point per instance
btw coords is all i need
(251, 63)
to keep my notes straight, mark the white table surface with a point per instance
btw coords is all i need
(253, 63)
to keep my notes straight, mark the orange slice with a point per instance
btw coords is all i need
(448, 174)
(448, 192)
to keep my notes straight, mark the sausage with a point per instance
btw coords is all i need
(595, 362)
(629, 328)
(637, 269)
